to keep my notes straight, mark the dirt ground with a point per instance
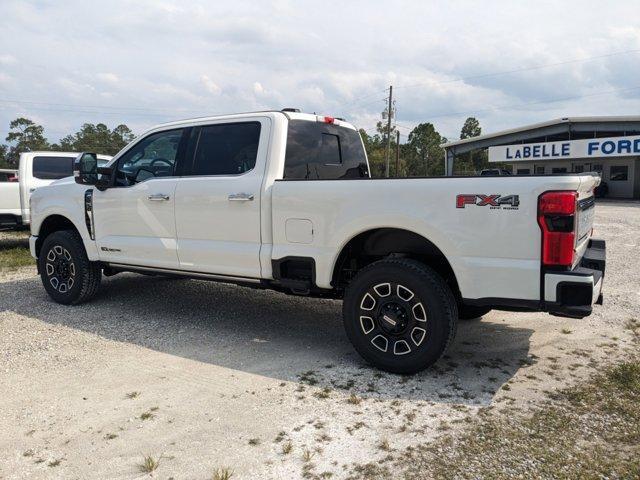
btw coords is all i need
(203, 376)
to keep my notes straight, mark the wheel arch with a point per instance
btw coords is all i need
(374, 244)
(51, 224)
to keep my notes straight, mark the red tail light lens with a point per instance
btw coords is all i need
(558, 203)
(556, 217)
(557, 248)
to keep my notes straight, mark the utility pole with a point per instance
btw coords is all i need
(397, 153)
(389, 113)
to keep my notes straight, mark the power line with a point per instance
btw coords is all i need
(366, 96)
(517, 106)
(523, 69)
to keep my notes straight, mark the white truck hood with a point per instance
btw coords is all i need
(63, 181)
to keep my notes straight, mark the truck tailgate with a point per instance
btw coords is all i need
(586, 213)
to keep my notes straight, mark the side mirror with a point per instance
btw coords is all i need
(85, 168)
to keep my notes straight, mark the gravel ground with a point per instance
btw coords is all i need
(203, 376)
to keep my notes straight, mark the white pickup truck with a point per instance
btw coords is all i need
(283, 200)
(36, 169)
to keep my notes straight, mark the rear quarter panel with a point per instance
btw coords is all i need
(494, 252)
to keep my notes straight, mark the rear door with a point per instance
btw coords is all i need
(218, 199)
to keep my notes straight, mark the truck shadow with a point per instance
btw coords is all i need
(271, 334)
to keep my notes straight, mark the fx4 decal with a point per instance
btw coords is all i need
(506, 202)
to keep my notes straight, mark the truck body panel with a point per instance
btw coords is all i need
(198, 229)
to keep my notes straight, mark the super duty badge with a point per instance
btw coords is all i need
(506, 202)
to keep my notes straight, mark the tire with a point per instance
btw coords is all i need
(67, 274)
(469, 312)
(400, 315)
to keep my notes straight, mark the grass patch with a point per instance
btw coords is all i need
(15, 257)
(589, 431)
(307, 455)
(222, 474)
(287, 448)
(147, 416)
(148, 464)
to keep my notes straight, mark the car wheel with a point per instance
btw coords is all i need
(469, 312)
(67, 274)
(400, 315)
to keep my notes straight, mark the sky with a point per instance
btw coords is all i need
(511, 63)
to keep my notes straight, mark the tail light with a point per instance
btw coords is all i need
(556, 217)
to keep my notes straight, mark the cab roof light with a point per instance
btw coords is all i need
(329, 120)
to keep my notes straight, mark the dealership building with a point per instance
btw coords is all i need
(607, 145)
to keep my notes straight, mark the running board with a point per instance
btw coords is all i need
(183, 273)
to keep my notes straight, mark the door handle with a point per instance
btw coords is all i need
(240, 197)
(158, 197)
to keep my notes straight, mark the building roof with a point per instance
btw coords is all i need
(548, 128)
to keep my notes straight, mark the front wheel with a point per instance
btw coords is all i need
(400, 315)
(67, 274)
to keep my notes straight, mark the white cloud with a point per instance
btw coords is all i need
(210, 85)
(144, 61)
(7, 59)
(108, 77)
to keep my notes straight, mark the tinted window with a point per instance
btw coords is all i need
(523, 171)
(619, 173)
(320, 151)
(52, 168)
(559, 170)
(539, 170)
(226, 149)
(153, 156)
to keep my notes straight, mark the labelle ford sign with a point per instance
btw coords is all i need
(589, 148)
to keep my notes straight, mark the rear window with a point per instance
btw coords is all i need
(321, 151)
(52, 168)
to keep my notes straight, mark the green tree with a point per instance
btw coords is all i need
(424, 155)
(3, 156)
(473, 161)
(471, 128)
(24, 136)
(376, 147)
(97, 138)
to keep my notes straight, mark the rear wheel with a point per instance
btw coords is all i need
(400, 315)
(67, 274)
(469, 312)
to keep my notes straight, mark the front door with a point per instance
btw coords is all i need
(135, 217)
(218, 200)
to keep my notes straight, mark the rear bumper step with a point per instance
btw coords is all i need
(573, 293)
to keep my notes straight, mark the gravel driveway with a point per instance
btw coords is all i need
(203, 376)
